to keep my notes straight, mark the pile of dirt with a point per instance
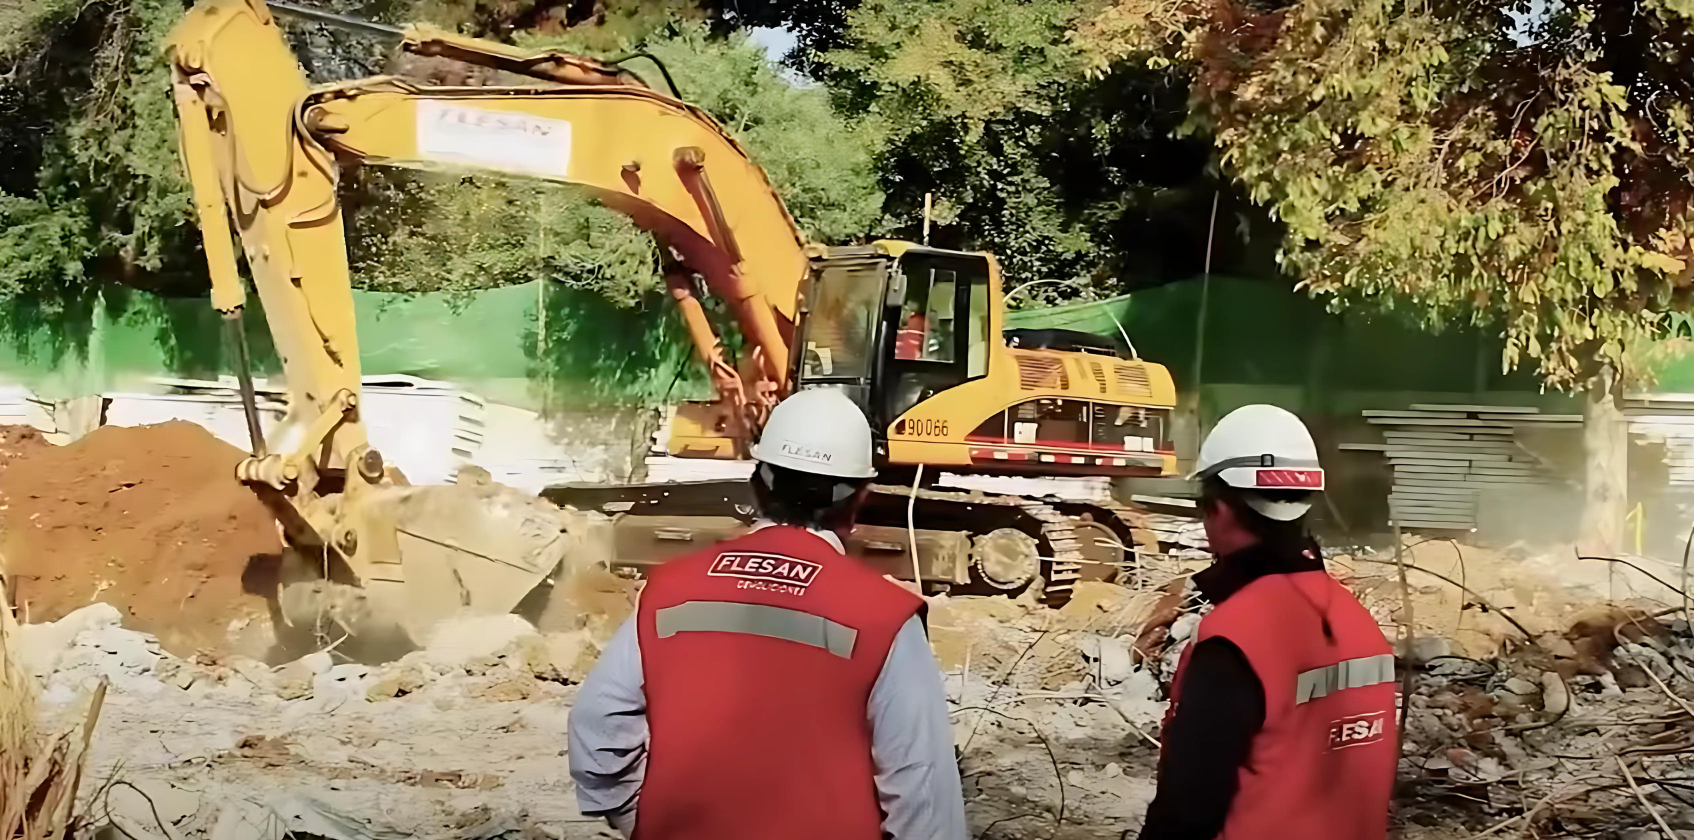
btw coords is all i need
(149, 519)
(18, 443)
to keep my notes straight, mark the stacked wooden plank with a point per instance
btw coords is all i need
(1445, 456)
(1668, 418)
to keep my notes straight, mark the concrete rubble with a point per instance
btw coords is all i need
(1056, 715)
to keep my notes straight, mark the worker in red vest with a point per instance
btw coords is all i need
(910, 340)
(1282, 717)
(771, 686)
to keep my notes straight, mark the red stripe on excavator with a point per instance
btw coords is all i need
(1093, 448)
(1002, 454)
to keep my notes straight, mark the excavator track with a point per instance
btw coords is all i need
(969, 512)
(1053, 531)
(1126, 523)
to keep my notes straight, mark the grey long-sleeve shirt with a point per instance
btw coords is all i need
(917, 779)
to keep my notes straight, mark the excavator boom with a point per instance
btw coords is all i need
(259, 141)
(665, 164)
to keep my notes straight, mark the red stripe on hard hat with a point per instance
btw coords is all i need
(1303, 479)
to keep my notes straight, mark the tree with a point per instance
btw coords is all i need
(988, 106)
(1520, 163)
(818, 25)
(91, 180)
(92, 193)
(414, 231)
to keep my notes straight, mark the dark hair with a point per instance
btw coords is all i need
(1289, 536)
(806, 500)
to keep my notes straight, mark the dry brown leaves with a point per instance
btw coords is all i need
(39, 774)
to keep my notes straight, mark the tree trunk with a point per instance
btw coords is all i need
(1605, 443)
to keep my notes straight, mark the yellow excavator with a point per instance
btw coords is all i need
(915, 335)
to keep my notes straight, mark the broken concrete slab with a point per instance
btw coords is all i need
(463, 640)
(147, 808)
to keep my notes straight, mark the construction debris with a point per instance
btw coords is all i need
(1445, 456)
(1538, 707)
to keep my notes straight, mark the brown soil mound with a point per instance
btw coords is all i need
(18, 443)
(150, 519)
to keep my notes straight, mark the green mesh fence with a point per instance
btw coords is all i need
(523, 345)
(529, 345)
(1262, 341)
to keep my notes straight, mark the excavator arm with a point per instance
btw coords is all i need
(666, 165)
(237, 89)
(266, 151)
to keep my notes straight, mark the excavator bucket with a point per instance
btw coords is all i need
(404, 558)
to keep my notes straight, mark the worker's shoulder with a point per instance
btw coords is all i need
(1269, 613)
(1271, 601)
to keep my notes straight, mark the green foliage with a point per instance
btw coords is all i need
(91, 190)
(107, 193)
(22, 21)
(413, 232)
(961, 90)
(424, 232)
(822, 164)
(1685, 8)
(988, 106)
(971, 60)
(1463, 160)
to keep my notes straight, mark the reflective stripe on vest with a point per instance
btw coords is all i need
(758, 620)
(1348, 673)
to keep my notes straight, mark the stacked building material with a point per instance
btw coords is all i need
(1445, 456)
(1668, 418)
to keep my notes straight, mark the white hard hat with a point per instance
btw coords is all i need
(1262, 447)
(819, 431)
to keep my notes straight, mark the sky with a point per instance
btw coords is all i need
(775, 40)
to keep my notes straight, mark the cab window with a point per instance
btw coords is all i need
(841, 326)
(940, 331)
(926, 317)
(976, 347)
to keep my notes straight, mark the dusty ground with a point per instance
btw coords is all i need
(150, 519)
(474, 745)
(1544, 588)
(466, 738)
(1575, 724)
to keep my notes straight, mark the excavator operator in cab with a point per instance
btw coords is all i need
(771, 686)
(1281, 721)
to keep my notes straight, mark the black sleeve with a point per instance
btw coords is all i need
(1209, 739)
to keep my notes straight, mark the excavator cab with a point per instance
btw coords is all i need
(894, 330)
(914, 335)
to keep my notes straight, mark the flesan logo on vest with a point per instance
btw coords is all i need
(1357, 731)
(774, 568)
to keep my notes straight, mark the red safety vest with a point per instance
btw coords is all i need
(1322, 766)
(909, 341)
(759, 657)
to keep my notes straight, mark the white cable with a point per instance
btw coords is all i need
(912, 528)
